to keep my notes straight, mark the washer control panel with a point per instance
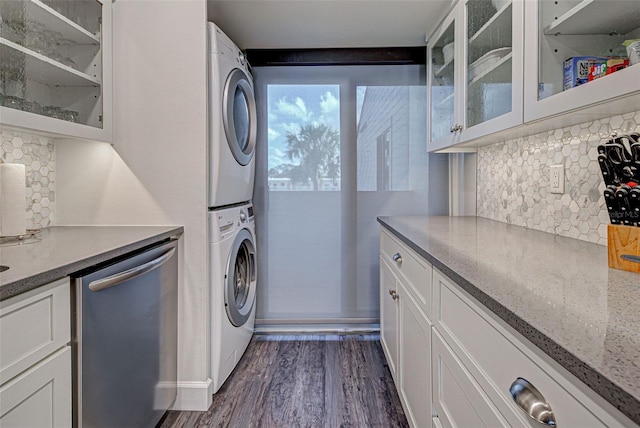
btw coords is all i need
(225, 223)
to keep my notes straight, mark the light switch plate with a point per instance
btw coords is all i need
(556, 179)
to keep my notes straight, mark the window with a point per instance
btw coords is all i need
(337, 147)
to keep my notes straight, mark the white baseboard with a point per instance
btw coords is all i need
(316, 329)
(194, 396)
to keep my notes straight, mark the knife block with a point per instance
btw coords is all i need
(623, 243)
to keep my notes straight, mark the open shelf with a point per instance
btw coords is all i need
(35, 10)
(596, 17)
(39, 68)
(499, 73)
(487, 36)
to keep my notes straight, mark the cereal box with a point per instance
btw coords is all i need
(576, 70)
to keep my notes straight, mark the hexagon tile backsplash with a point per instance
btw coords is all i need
(38, 156)
(513, 179)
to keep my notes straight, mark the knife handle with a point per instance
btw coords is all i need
(634, 201)
(612, 204)
(608, 173)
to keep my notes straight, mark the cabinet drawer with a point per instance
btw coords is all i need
(411, 268)
(41, 396)
(32, 326)
(496, 358)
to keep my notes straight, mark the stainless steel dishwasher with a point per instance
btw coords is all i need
(126, 340)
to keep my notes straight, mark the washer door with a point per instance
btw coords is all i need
(239, 116)
(240, 282)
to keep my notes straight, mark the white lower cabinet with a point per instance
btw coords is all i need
(40, 397)
(454, 362)
(486, 358)
(405, 329)
(35, 358)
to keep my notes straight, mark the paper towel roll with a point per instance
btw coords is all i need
(13, 207)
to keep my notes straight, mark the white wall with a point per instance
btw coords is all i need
(156, 171)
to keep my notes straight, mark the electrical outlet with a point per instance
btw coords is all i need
(556, 179)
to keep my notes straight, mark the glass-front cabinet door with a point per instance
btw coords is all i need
(54, 74)
(442, 86)
(489, 60)
(493, 66)
(582, 52)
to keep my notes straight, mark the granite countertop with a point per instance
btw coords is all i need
(557, 292)
(58, 251)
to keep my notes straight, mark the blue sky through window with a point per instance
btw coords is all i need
(292, 106)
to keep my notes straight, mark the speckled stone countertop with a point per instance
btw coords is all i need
(58, 251)
(557, 292)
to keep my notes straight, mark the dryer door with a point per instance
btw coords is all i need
(239, 116)
(240, 282)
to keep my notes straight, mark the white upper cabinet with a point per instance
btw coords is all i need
(497, 68)
(563, 29)
(475, 72)
(55, 67)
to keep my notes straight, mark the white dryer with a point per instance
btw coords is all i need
(233, 287)
(232, 122)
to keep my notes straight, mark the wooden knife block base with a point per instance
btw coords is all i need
(623, 241)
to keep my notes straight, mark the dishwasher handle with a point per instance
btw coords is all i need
(119, 278)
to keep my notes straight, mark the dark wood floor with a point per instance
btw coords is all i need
(304, 381)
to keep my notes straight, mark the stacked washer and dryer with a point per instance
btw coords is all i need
(232, 140)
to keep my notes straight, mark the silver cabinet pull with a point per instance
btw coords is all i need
(532, 402)
(457, 127)
(119, 278)
(393, 294)
(397, 258)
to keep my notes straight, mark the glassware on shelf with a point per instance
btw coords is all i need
(12, 102)
(30, 106)
(70, 116)
(13, 29)
(53, 111)
(47, 42)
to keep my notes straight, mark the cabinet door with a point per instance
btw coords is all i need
(457, 399)
(389, 317)
(561, 30)
(41, 396)
(55, 62)
(444, 50)
(493, 66)
(33, 325)
(415, 361)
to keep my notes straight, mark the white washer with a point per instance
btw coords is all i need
(232, 122)
(233, 287)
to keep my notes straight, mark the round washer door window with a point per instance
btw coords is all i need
(239, 116)
(240, 283)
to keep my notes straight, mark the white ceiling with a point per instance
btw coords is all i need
(270, 24)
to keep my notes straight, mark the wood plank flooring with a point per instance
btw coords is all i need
(304, 381)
